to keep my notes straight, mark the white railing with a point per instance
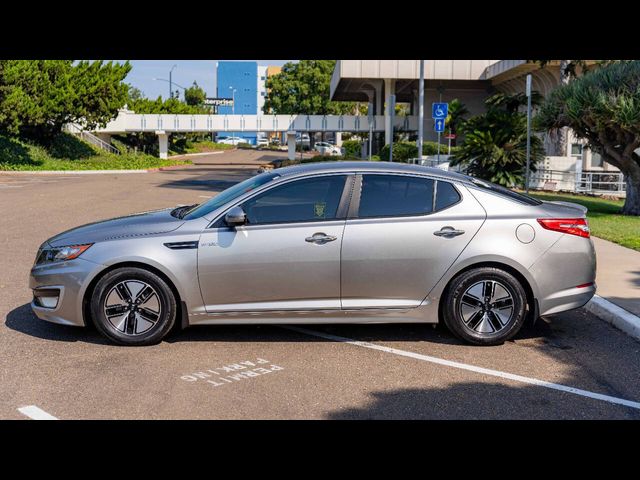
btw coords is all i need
(133, 122)
(584, 182)
(602, 182)
(91, 138)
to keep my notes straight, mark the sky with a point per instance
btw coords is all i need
(186, 72)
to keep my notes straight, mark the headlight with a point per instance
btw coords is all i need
(59, 254)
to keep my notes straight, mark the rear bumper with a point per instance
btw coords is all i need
(562, 273)
(568, 299)
(70, 280)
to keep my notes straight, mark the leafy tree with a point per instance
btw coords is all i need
(603, 108)
(303, 87)
(37, 97)
(194, 95)
(160, 105)
(494, 146)
(134, 93)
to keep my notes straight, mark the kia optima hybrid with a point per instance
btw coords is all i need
(332, 242)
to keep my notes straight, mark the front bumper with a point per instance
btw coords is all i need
(70, 279)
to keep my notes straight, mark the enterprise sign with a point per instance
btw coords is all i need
(219, 102)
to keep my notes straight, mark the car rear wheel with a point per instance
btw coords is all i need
(133, 306)
(485, 306)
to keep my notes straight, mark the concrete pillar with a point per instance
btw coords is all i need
(163, 140)
(338, 139)
(291, 143)
(389, 89)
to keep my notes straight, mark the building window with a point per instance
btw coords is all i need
(596, 160)
(576, 150)
(262, 78)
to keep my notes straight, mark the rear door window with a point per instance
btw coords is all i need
(395, 195)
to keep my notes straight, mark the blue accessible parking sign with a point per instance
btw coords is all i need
(440, 110)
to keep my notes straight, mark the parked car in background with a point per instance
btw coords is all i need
(304, 141)
(326, 148)
(231, 140)
(275, 141)
(262, 142)
(327, 242)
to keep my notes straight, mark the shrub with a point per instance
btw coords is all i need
(404, 151)
(66, 145)
(244, 146)
(352, 148)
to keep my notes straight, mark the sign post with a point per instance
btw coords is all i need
(439, 112)
(450, 136)
(370, 114)
(526, 175)
(421, 111)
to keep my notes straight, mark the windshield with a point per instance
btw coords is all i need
(229, 194)
(500, 190)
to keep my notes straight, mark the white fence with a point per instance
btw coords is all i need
(132, 122)
(611, 183)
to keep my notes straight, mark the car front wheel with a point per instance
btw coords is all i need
(133, 306)
(485, 306)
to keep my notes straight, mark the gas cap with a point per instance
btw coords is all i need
(525, 233)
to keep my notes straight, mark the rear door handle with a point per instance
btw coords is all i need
(320, 238)
(448, 232)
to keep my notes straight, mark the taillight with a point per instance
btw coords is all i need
(572, 226)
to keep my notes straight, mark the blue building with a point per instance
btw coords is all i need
(243, 78)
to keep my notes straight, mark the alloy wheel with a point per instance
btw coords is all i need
(486, 307)
(132, 307)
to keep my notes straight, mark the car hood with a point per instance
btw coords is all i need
(136, 225)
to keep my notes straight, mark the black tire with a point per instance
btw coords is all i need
(132, 323)
(490, 322)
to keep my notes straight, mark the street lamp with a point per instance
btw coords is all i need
(170, 85)
(233, 103)
(170, 82)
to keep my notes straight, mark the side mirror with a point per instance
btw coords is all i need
(235, 216)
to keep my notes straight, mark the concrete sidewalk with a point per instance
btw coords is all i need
(618, 275)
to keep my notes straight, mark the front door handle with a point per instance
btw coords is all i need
(448, 232)
(320, 238)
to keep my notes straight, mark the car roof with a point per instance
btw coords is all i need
(361, 166)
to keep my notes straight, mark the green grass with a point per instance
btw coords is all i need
(68, 153)
(604, 217)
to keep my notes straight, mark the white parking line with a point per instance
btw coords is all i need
(470, 368)
(36, 413)
(204, 196)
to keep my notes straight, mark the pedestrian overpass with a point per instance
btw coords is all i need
(164, 124)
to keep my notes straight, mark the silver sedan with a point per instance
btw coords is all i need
(333, 242)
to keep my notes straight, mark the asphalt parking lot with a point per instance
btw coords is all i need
(569, 366)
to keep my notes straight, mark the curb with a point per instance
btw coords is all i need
(215, 152)
(91, 172)
(70, 172)
(615, 315)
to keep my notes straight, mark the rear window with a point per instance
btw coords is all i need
(401, 195)
(505, 192)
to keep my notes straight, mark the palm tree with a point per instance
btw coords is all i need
(455, 120)
(495, 143)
